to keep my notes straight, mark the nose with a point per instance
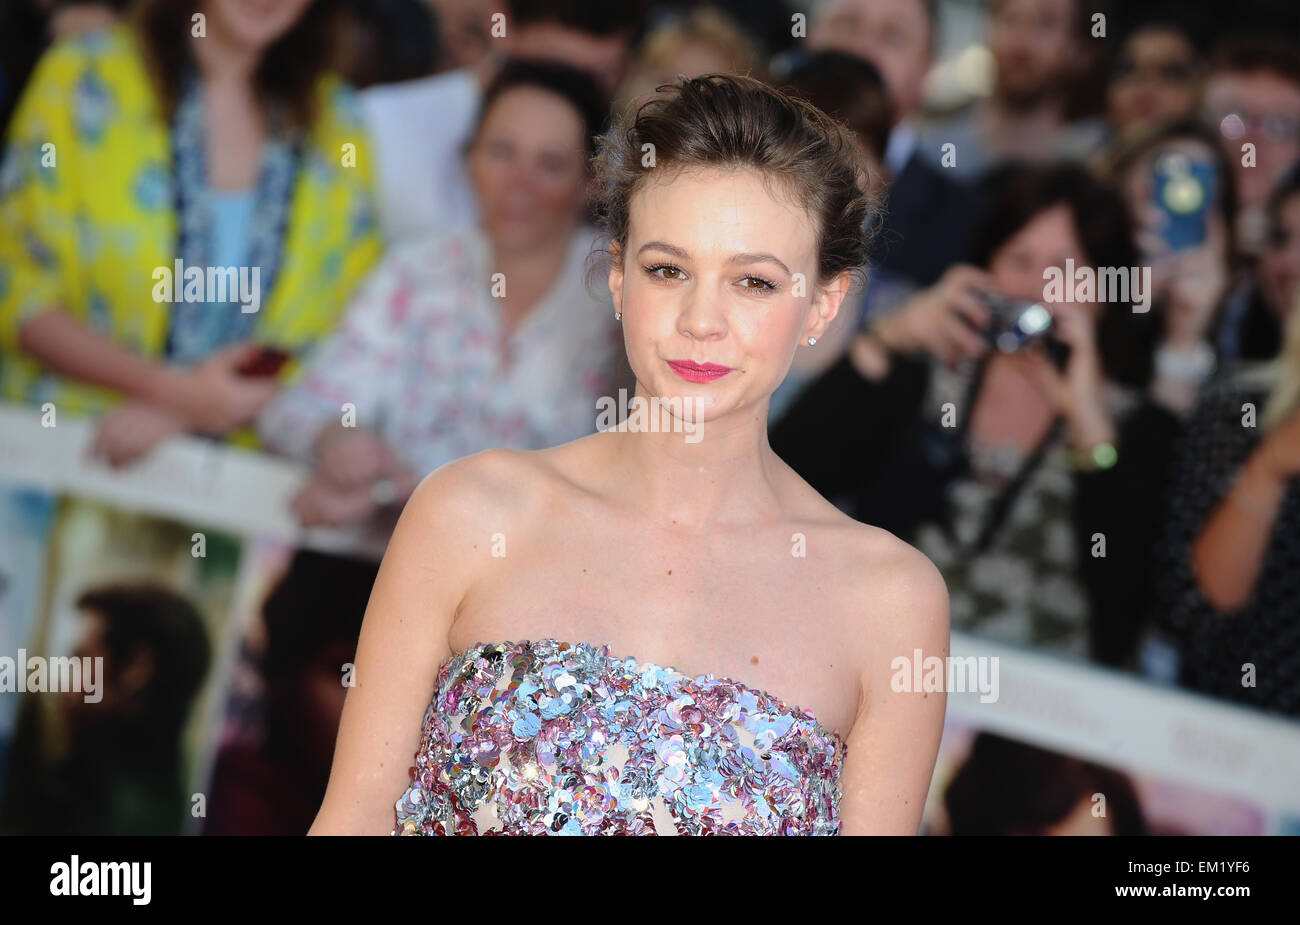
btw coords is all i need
(699, 316)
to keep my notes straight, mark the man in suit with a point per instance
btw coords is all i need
(929, 214)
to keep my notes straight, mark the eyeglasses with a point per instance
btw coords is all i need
(1273, 126)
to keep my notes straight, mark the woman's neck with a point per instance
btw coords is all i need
(694, 474)
(222, 61)
(1009, 409)
(529, 273)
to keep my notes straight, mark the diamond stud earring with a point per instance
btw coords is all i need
(811, 341)
(618, 316)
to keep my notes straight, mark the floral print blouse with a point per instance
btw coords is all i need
(419, 360)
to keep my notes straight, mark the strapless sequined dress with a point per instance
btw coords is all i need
(553, 738)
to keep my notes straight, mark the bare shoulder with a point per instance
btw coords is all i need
(486, 480)
(898, 577)
(887, 585)
(459, 506)
(469, 500)
(895, 599)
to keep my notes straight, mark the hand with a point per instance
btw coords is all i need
(125, 434)
(350, 458)
(1078, 394)
(325, 503)
(1278, 455)
(939, 319)
(320, 503)
(212, 397)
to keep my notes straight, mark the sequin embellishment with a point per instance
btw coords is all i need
(553, 738)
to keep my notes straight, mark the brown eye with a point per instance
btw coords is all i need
(665, 268)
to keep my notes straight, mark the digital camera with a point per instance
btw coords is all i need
(1014, 323)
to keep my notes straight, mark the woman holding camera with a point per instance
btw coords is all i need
(1026, 474)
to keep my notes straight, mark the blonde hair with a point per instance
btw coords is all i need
(1285, 397)
(1281, 375)
(707, 26)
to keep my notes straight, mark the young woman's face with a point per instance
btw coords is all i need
(528, 166)
(1279, 262)
(1154, 80)
(1047, 240)
(254, 24)
(718, 269)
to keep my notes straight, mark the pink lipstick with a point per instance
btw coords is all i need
(698, 372)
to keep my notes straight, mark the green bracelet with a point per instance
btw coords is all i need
(1101, 456)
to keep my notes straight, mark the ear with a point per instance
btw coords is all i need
(827, 300)
(616, 274)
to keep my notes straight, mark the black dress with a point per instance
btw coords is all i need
(1265, 632)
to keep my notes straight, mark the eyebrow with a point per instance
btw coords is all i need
(735, 258)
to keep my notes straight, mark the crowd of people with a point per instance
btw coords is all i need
(412, 182)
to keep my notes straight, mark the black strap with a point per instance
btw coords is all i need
(1000, 508)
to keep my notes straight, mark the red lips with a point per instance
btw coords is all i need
(698, 372)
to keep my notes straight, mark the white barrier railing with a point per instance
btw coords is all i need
(1068, 706)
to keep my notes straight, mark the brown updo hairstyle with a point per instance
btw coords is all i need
(728, 121)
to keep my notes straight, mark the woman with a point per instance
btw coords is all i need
(1232, 552)
(115, 172)
(1182, 198)
(471, 339)
(547, 571)
(1255, 314)
(1155, 78)
(121, 757)
(1025, 475)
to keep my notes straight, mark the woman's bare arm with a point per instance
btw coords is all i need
(895, 739)
(71, 348)
(210, 396)
(1229, 552)
(430, 562)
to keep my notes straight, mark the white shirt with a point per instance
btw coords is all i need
(898, 150)
(418, 131)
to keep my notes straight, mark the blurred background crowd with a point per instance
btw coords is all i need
(1129, 495)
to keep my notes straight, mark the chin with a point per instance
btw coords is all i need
(515, 235)
(257, 23)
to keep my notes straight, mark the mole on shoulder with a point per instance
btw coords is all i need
(753, 660)
(670, 571)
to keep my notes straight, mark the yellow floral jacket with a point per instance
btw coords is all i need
(87, 215)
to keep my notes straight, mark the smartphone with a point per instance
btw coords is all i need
(1184, 189)
(265, 362)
